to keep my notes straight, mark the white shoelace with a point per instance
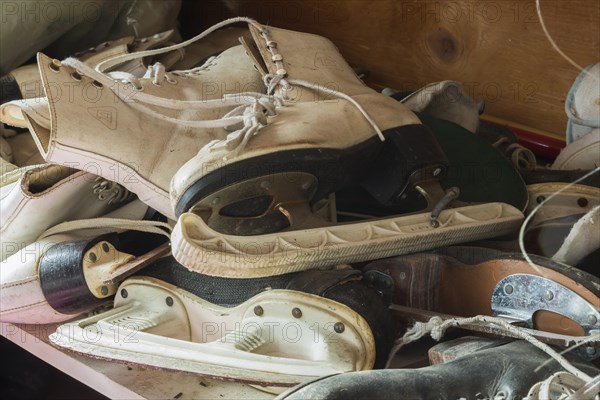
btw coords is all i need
(578, 381)
(252, 109)
(109, 225)
(520, 156)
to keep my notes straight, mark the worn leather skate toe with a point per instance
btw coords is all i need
(507, 371)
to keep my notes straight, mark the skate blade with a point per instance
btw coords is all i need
(121, 272)
(556, 302)
(277, 338)
(198, 247)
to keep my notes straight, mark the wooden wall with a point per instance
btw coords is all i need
(496, 48)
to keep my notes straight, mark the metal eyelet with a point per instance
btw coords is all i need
(171, 81)
(75, 75)
(97, 84)
(156, 84)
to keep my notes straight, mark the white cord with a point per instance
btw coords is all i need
(535, 210)
(563, 55)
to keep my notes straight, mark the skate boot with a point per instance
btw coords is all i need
(39, 197)
(582, 105)
(137, 131)
(274, 331)
(188, 58)
(476, 168)
(563, 226)
(25, 82)
(558, 304)
(446, 100)
(584, 153)
(496, 370)
(75, 267)
(315, 135)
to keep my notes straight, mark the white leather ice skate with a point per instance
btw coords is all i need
(128, 142)
(245, 201)
(36, 198)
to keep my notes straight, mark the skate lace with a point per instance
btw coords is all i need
(158, 74)
(110, 191)
(255, 106)
(520, 156)
(576, 386)
(107, 224)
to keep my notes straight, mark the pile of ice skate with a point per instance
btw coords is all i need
(246, 219)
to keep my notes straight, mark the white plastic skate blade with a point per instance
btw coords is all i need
(276, 338)
(200, 248)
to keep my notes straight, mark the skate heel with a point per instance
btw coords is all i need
(410, 157)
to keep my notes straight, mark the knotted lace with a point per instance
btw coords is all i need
(579, 381)
(251, 110)
(520, 156)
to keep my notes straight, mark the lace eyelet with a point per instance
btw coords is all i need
(76, 76)
(156, 84)
(172, 81)
(97, 84)
(55, 66)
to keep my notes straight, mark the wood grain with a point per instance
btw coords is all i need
(496, 48)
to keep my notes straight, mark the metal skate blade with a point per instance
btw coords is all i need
(138, 263)
(200, 248)
(262, 205)
(277, 338)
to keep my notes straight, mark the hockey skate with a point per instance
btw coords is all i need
(75, 267)
(275, 331)
(245, 202)
(558, 304)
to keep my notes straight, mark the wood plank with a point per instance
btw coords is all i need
(496, 48)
